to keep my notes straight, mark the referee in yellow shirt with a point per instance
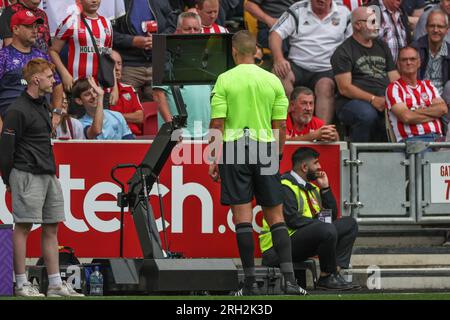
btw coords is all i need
(248, 111)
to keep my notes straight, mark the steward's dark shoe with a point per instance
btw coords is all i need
(331, 282)
(354, 286)
(253, 290)
(447, 241)
(293, 289)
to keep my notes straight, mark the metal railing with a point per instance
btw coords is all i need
(392, 183)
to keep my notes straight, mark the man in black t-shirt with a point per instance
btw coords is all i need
(363, 68)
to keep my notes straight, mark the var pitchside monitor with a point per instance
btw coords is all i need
(181, 59)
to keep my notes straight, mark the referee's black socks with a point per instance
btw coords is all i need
(246, 245)
(282, 245)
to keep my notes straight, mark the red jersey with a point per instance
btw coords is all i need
(128, 103)
(416, 97)
(313, 125)
(83, 60)
(214, 28)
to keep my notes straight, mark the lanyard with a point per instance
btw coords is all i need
(308, 187)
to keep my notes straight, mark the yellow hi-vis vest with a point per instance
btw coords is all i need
(265, 237)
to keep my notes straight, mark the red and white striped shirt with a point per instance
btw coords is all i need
(214, 28)
(420, 96)
(83, 60)
(351, 4)
(4, 3)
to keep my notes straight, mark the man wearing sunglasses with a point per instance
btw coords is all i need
(363, 67)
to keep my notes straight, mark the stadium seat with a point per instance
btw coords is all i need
(250, 22)
(150, 118)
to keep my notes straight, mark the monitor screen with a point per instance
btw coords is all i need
(181, 59)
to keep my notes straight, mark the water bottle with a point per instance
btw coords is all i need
(96, 283)
(348, 276)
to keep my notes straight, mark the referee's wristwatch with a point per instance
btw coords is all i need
(58, 111)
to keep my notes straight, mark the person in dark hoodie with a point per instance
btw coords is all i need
(133, 40)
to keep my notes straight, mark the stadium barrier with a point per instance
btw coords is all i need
(396, 183)
(198, 225)
(377, 183)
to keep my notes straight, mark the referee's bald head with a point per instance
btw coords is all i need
(244, 43)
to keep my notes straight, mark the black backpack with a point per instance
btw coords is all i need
(66, 257)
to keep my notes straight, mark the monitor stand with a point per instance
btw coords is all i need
(155, 272)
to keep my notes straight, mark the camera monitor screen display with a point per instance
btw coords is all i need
(180, 59)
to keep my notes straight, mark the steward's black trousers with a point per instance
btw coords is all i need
(332, 242)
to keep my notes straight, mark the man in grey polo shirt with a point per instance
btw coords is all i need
(315, 29)
(28, 170)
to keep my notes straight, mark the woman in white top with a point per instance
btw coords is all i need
(68, 127)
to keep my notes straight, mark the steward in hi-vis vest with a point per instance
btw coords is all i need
(304, 211)
(310, 212)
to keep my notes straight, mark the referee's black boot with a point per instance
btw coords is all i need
(332, 282)
(293, 289)
(249, 290)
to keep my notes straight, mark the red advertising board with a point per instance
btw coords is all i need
(197, 224)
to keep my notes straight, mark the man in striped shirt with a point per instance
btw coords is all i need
(83, 61)
(208, 11)
(415, 106)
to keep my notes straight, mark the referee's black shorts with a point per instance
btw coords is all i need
(243, 180)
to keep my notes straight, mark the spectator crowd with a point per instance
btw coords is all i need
(345, 65)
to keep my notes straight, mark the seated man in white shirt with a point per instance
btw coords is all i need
(98, 123)
(314, 29)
